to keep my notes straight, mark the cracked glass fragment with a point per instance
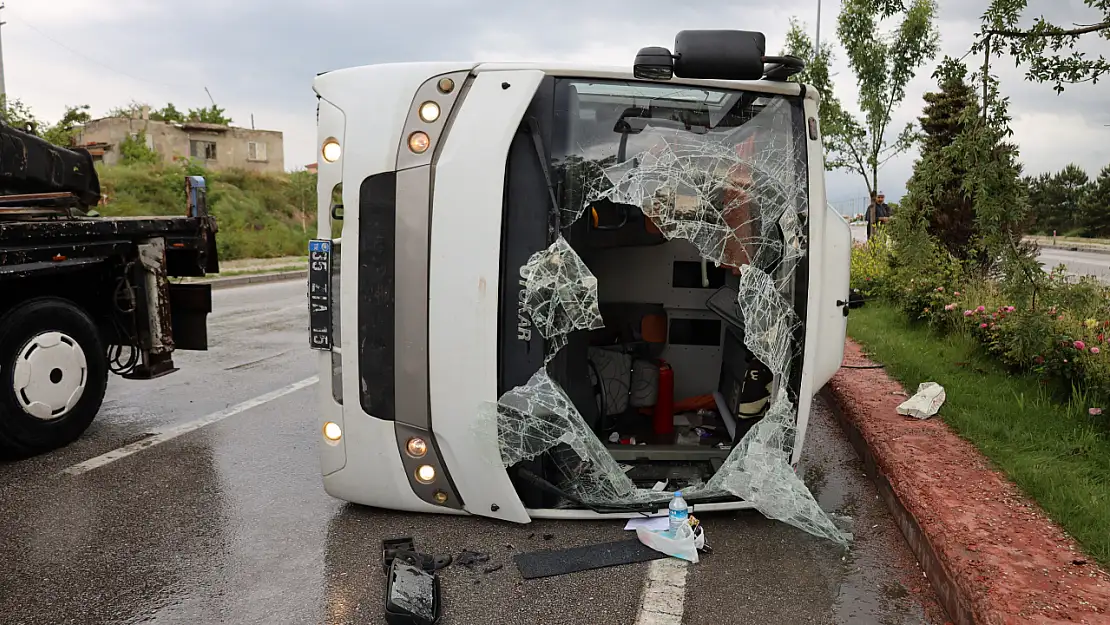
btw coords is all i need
(560, 293)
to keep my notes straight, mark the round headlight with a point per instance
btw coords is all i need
(332, 431)
(419, 142)
(425, 474)
(331, 150)
(416, 447)
(429, 111)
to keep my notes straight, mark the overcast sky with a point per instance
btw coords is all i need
(259, 57)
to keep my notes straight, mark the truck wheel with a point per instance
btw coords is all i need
(53, 375)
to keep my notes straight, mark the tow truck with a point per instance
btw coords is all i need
(82, 296)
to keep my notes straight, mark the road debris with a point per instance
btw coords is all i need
(928, 400)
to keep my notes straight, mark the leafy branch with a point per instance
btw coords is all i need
(1031, 46)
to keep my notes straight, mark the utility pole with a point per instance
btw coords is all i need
(2, 90)
(817, 41)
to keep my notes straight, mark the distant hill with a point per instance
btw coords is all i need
(259, 215)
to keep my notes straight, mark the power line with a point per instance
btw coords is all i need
(88, 58)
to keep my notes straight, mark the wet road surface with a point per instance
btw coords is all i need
(230, 524)
(1079, 263)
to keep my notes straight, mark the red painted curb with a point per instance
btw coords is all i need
(990, 552)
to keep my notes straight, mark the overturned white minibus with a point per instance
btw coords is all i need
(552, 291)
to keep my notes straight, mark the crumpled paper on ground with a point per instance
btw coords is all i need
(928, 400)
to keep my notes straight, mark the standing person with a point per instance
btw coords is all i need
(877, 212)
(869, 214)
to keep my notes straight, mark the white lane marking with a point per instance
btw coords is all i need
(164, 434)
(664, 593)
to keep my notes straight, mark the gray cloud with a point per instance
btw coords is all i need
(260, 57)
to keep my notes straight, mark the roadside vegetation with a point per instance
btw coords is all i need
(259, 215)
(956, 294)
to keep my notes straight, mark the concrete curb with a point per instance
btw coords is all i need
(991, 554)
(258, 278)
(1073, 247)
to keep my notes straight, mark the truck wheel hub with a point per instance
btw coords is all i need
(50, 375)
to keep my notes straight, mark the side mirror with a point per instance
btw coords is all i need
(653, 63)
(719, 54)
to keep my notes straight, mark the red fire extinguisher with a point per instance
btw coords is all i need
(663, 423)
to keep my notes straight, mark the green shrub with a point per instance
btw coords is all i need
(870, 269)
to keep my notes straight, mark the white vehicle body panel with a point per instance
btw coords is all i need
(371, 472)
(464, 281)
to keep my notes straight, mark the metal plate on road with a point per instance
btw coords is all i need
(319, 294)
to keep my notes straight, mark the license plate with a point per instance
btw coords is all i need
(319, 294)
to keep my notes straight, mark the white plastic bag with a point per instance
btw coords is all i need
(926, 403)
(683, 546)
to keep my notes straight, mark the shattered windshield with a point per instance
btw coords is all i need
(725, 171)
(695, 161)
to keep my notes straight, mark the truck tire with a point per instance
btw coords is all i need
(53, 375)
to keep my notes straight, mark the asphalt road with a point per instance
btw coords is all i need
(229, 523)
(1079, 263)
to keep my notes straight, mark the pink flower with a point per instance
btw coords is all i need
(967, 313)
(949, 306)
(1095, 350)
(957, 294)
(1080, 345)
(980, 309)
(1039, 360)
(982, 325)
(940, 289)
(1010, 309)
(1094, 412)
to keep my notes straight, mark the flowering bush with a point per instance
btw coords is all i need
(1060, 335)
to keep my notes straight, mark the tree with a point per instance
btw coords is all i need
(209, 115)
(1071, 185)
(14, 113)
(65, 130)
(993, 182)
(883, 65)
(1094, 208)
(1000, 34)
(168, 113)
(935, 198)
(816, 73)
(134, 150)
(1055, 199)
(303, 193)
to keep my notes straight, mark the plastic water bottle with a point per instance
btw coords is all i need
(679, 513)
